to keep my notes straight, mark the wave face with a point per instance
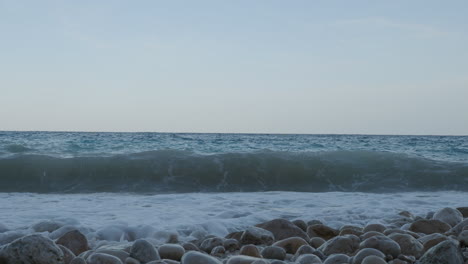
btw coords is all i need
(166, 171)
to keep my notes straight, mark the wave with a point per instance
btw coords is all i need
(17, 148)
(182, 171)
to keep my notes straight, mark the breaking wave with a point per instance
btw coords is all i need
(16, 148)
(181, 171)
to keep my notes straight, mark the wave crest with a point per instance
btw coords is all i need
(182, 171)
(17, 148)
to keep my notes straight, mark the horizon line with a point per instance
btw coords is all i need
(240, 133)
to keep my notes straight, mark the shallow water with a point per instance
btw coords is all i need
(214, 213)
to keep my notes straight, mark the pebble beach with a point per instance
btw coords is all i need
(439, 237)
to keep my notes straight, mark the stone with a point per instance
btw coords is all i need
(234, 235)
(463, 211)
(382, 243)
(120, 254)
(231, 244)
(101, 258)
(257, 236)
(406, 214)
(314, 222)
(250, 250)
(301, 224)
(308, 259)
(409, 259)
(282, 229)
(78, 260)
(68, 256)
(164, 261)
(429, 226)
(277, 262)
(365, 252)
(373, 260)
(47, 226)
(390, 231)
(337, 259)
(86, 254)
(374, 227)
(429, 215)
(400, 222)
(322, 231)
(75, 241)
(114, 233)
(172, 238)
(304, 249)
(208, 244)
(190, 246)
(195, 257)
(448, 215)
(218, 251)
(456, 230)
(131, 260)
(351, 230)
(406, 226)
(62, 231)
(274, 252)
(316, 242)
(431, 240)
(31, 249)
(291, 244)
(398, 261)
(347, 244)
(10, 236)
(171, 251)
(370, 234)
(241, 260)
(319, 254)
(408, 244)
(465, 255)
(143, 251)
(445, 252)
(354, 227)
(260, 261)
(463, 238)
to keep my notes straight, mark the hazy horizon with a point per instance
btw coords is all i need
(268, 67)
(233, 133)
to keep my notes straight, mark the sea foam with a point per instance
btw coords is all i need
(120, 217)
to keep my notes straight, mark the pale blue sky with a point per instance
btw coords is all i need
(373, 67)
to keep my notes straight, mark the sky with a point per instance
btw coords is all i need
(244, 66)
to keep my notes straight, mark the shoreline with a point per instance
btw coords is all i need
(406, 239)
(214, 213)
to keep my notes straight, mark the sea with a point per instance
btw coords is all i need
(123, 186)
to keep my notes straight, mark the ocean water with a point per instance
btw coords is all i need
(119, 186)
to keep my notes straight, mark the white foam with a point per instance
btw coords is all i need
(114, 216)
